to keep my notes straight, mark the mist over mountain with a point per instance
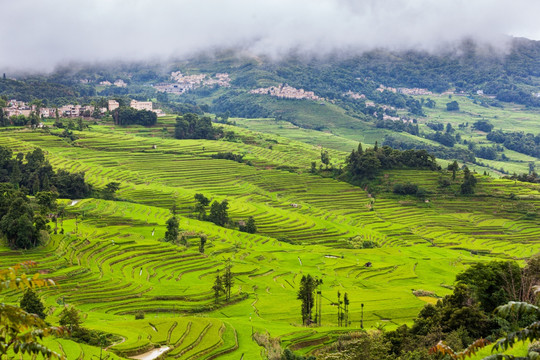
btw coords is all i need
(42, 35)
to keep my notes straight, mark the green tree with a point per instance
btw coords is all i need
(31, 303)
(452, 106)
(202, 243)
(47, 201)
(218, 288)
(469, 182)
(305, 295)
(219, 213)
(110, 189)
(325, 158)
(228, 280)
(70, 318)
(249, 227)
(171, 235)
(18, 225)
(19, 330)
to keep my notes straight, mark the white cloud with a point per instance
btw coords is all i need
(40, 34)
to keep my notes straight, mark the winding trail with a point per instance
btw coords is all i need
(152, 354)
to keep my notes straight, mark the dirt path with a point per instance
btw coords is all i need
(152, 354)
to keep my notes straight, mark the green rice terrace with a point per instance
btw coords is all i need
(111, 262)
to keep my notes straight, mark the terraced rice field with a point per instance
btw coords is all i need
(111, 264)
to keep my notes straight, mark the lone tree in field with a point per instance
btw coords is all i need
(218, 288)
(31, 303)
(228, 280)
(346, 308)
(171, 235)
(249, 227)
(305, 294)
(469, 182)
(325, 158)
(454, 167)
(202, 243)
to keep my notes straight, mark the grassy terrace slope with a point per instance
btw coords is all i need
(111, 264)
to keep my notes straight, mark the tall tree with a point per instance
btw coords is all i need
(218, 288)
(305, 294)
(228, 280)
(31, 303)
(171, 235)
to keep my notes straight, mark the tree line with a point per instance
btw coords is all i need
(126, 115)
(366, 164)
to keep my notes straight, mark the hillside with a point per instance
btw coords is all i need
(111, 262)
(397, 97)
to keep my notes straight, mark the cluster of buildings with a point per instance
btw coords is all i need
(405, 91)
(137, 105)
(414, 91)
(183, 83)
(354, 95)
(285, 91)
(119, 83)
(16, 108)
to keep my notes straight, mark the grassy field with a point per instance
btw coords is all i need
(111, 263)
(324, 124)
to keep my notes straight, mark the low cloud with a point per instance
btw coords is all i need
(40, 35)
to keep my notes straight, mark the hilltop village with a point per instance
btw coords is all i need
(20, 108)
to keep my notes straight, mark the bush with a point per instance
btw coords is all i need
(405, 189)
(139, 315)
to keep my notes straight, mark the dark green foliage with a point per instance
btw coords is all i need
(398, 126)
(492, 284)
(228, 281)
(435, 126)
(532, 178)
(125, 115)
(409, 189)
(71, 318)
(31, 303)
(325, 158)
(249, 227)
(442, 152)
(17, 225)
(203, 200)
(139, 315)
(367, 164)
(71, 185)
(443, 138)
(219, 213)
(289, 355)
(171, 235)
(306, 295)
(218, 288)
(469, 182)
(191, 126)
(452, 106)
(229, 156)
(110, 189)
(528, 144)
(430, 103)
(483, 125)
(202, 243)
(486, 152)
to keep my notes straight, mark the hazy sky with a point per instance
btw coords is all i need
(39, 34)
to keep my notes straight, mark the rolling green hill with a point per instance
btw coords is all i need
(111, 262)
